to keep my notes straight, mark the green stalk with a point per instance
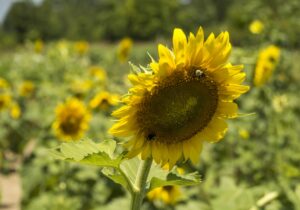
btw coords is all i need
(139, 190)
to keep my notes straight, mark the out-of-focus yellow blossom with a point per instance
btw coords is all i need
(169, 195)
(5, 100)
(3, 84)
(26, 88)
(72, 120)
(63, 48)
(164, 115)
(81, 47)
(81, 87)
(124, 49)
(98, 73)
(38, 46)
(104, 100)
(256, 27)
(15, 111)
(244, 133)
(267, 61)
(280, 102)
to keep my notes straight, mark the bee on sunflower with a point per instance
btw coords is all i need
(104, 100)
(124, 49)
(183, 101)
(266, 63)
(72, 120)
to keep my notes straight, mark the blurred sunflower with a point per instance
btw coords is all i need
(5, 100)
(267, 61)
(98, 73)
(169, 195)
(171, 111)
(38, 46)
(104, 100)
(72, 120)
(256, 27)
(26, 88)
(3, 84)
(124, 49)
(15, 111)
(81, 47)
(244, 134)
(81, 87)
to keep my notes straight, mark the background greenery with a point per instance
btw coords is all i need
(237, 172)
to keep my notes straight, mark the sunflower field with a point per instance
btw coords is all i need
(150, 105)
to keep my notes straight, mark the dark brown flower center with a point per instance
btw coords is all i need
(178, 107)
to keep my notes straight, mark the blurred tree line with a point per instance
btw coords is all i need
(95, 20)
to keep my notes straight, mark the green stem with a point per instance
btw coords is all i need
(138, 192)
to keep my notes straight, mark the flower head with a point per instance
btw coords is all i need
(98, 73)
(169, 195)
(81, 47)
(26, 88)
(3, 84)
(72, 120)
(124, 49)
(256, 27)
(184, 101)
(38, 46)
(267, 61)
(15, 111)
(5, 100)
(104, 100)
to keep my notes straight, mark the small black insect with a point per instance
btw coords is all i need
(151, 136)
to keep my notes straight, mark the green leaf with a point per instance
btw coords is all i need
(158, 177)
(88, 152)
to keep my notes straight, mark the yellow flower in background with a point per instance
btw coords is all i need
(124, 49)
(26, 88)
(280, 102)
(38, 46)
(98, 73)
(267, 61)
(5, 100)
(256, 27)
(184, 101)
(81, 87)
(63, 47)
(244, 133)
(169, 195)
(81, 47)
(72, 120)
(104, 100)
(3, 84)
(15, 111)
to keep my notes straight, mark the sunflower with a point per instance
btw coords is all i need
(15, 111)
(72, 120)
(26, 88)
(169, 194)
(38, 46)
(3, 84)
(256, 27)
(267, 61)
(5, 101)
(124, 49)
(104, 100)
(98, 73)
(81, 47)
(183, 102)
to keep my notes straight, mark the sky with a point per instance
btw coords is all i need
(5, 6)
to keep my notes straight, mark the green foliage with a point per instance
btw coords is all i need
(123, 171)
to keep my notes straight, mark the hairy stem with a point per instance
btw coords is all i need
(138, 193)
